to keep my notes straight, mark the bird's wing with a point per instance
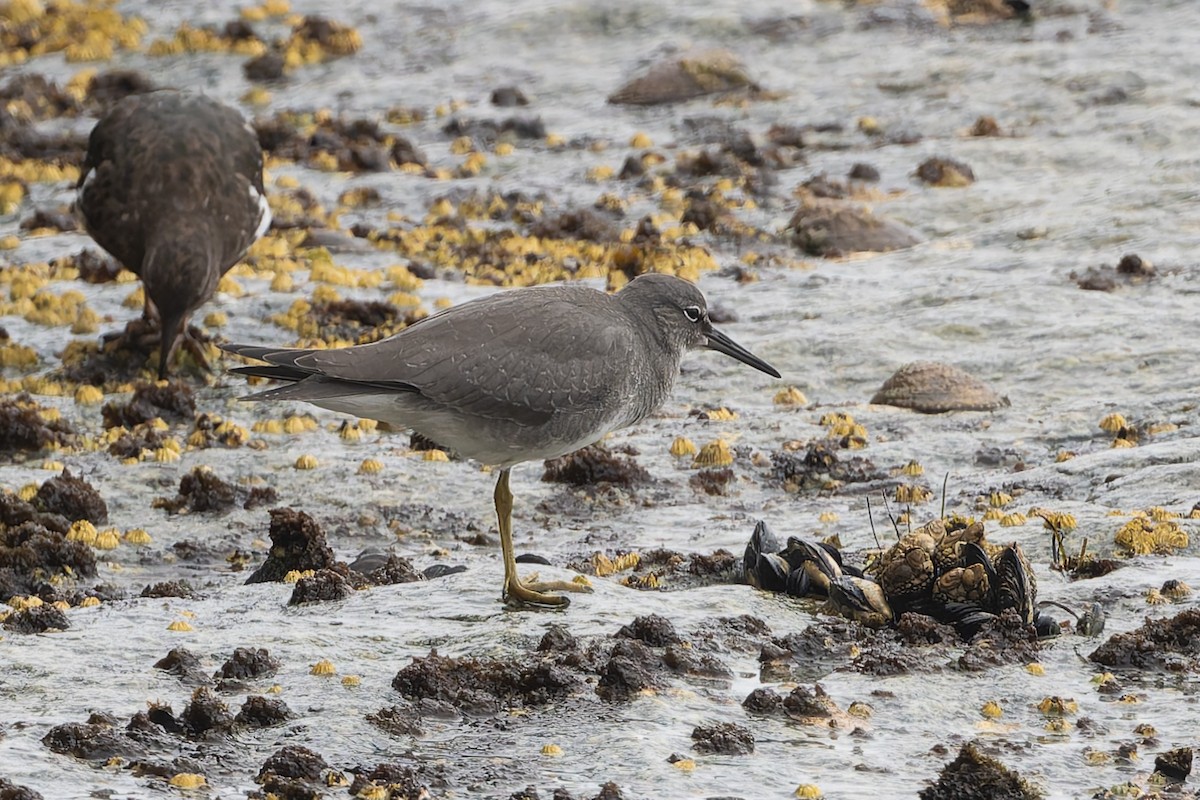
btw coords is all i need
(520, 356)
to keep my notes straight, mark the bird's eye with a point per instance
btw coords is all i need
(693, 313)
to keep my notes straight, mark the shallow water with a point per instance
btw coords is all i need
(1099, 178)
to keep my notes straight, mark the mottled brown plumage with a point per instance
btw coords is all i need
(172, 187)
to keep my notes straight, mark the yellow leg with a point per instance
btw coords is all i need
(516, 592)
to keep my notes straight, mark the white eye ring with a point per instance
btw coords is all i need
(693, 313)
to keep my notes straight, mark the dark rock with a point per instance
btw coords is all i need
(945, 172)
(653, 629)
(632, 667)
(724, 738)
(508, 96)
(38, 619)
(174, 402)
(593, 465)
(863, 172)
(401, 781)
(201, 491)
(11, 791)
(90, 741)
(322, 586)
(974, 775)
(293, 761)
(402, 719)
(262, 712)
(684, 78)
(763, 700)
(834, 229)
(484, 685)
(72, 497)
(206, 714)
(267, 67)
(1174, 765)
(247, 663)
(183, 664)
(1166, 645)
(297, 543)
(23, 429)
(557, 638)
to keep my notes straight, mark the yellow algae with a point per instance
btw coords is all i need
(829, 516)
(604, 566)
(370, 466)
(179, 626)
(137, 536)
(912, 493)
(373, 792)
(323, 667)
(295, 575)
(89, 602)
(350, 681)
(860, 709)
(53, 466)
(1123, 443)
(107, 540)
(1035, 669)
(166, 455)
(791, 396)
(1013, 520)
(684, 764)
(640, 141)
(714, 454)
(808, 791)
(295, 424)
(552, 750)
(87, 395)
(216, 319)
(268, 426)
(1155, 598)
(82, 531)
(1113, 423)
(682, 446)
(188, 780)
(1142, 536)
(1058, 706)
(992, 710)
(434, 455)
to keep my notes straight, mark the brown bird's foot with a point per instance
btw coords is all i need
(195, 341)
(537, 594)
(141, 335)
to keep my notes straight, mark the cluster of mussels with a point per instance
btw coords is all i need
(945, 569)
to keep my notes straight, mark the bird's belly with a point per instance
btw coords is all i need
(497, 442)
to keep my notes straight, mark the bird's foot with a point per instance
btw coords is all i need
(197, 343)
(537, 594)
(141, 335)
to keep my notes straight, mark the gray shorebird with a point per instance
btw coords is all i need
(172, 187)
(516, 376)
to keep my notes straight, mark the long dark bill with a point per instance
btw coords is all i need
(723, 344)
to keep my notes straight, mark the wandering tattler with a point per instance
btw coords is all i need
(172, 187)
(517, 376)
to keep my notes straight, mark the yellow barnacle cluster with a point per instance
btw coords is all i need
(913, 494)
(189, 39)
(683, 446)
(791, 396)
(841, 424)
(88, 30)
(1143, 535)
(714, 454)
(603, 566)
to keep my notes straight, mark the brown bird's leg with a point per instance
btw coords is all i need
(515, 592)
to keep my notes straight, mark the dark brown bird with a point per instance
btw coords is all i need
(172, 187)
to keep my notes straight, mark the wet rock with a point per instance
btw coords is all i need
(581, 223)
(72, 497)
(38, 619)
(399, 780)
(863, 172)
(56, 219)
(686, 660)
(931, 387)
(763, 700)
(265, 68)
(12, 791)
(834, 229)
(712, 481)
(557, 638)
(723, 738)
(174, 402)
(482, 685)
(653, 629)
(262, 712)
(140, 441)
(820, 468)
(945, 172)
(1166, 645)
(293, 761)
(1132, 270)
(1002, 641)
(206, 714)
(22, 428)
(508, 97)
(1174, 765)
(678, 79)
(402, 719)
(297, 543)
(248, 663)
(594, 465)
(349, 319)
(90, 741)
(632, 668)
(323, 586)
(972, 774)
(183, 664)
(489, 131)
(200, 491)
(396, 569)
(30, 552)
